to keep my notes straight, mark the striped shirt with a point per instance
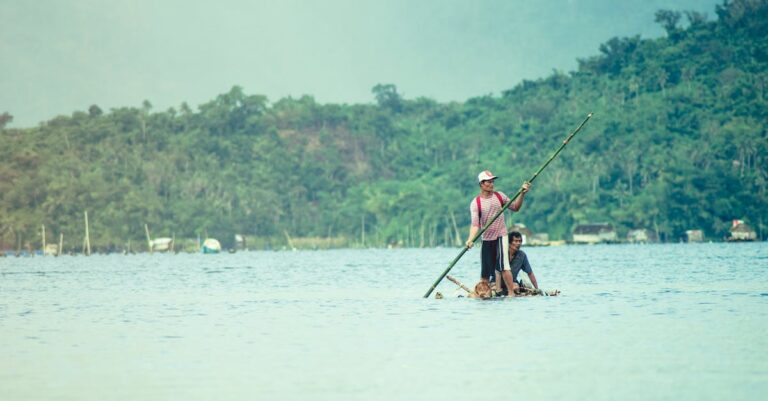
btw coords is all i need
(490, 206)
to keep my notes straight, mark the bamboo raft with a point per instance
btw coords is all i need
(523, 292)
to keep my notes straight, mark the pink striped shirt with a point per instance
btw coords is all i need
(490, 206)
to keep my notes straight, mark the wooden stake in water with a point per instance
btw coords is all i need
(362, 230)
(149, 240)
(511, 200)
(289, 240)
(87, 237)
(61, 244)
(43, 239)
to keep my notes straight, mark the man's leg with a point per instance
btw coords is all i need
(500, 283)
(501, 261)
(486, 262)
(504, 271)
(512, 286)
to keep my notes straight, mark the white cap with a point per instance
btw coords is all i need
(485, 176)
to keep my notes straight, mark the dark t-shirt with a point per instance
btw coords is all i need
(519, 262)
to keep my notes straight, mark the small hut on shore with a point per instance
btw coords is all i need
(163, 244)
(694, 235)
(642, 236)
(594, 233)
(51, 249)
(740, 231)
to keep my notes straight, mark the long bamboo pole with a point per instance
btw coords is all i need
(506, 205)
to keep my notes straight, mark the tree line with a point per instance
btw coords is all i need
(678, 142)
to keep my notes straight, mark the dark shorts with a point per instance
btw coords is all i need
(492, 257)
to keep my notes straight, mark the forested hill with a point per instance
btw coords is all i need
(678, 141)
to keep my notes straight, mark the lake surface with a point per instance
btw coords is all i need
(633, 322)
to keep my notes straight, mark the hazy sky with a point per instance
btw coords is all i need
(60, 56)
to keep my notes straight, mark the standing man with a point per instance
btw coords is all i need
(494, 252)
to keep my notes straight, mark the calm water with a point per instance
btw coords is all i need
(655, 322)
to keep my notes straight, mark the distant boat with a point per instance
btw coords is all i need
(161, 244)
(211, 245)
